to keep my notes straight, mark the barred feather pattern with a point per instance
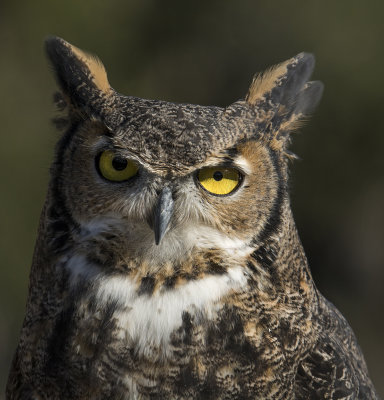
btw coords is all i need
(222, 305)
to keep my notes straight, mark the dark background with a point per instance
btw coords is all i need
(206, 52)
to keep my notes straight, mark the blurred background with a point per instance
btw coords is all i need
(206, 52)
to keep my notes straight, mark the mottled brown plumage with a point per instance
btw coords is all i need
(157, 287)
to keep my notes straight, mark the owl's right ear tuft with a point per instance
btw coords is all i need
(81, 76)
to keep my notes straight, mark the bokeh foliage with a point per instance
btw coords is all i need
(206, 52)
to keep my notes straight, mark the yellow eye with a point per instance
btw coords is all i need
(116, 168)
(219, 180)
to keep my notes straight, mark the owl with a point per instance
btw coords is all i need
(167, 264)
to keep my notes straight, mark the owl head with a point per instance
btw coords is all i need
(167, 179)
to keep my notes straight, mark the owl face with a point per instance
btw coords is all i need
(170, 179)
(222, 202)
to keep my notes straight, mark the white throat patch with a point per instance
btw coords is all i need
(148, 321)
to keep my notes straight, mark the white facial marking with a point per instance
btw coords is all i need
(243, 164)
(208, 238)
(176, 243)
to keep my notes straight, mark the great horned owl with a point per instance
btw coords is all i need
(168, 265)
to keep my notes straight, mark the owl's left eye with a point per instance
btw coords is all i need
(115, 168)
(219, 181)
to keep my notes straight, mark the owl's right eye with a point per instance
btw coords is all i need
(114, 167)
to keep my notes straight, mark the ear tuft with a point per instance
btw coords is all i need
(81, 76)
(264, 82)
(282, 82)
(95, 67)
(282, 97)
(308, 98)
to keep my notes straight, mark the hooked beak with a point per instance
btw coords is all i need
(163, 213)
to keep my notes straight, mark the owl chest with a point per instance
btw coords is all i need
(181, 347)
(205, 333)
(186, 339)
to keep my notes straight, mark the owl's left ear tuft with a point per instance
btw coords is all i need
(81, 76)
(281, 83)
(283, 96)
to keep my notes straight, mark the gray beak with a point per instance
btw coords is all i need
(163, 213)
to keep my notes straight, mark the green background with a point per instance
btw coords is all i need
(206, 52)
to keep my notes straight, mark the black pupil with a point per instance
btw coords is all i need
(119, 163)
(217, 176)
